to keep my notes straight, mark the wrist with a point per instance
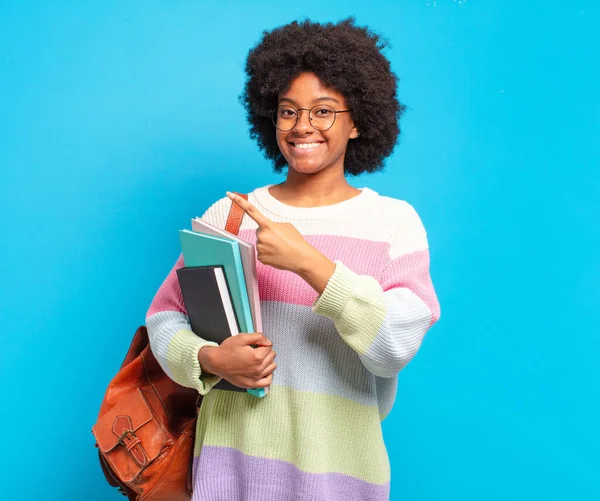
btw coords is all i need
(308, 262)
(316, 269)
(206, 358)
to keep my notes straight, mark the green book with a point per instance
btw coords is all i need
(200, 249)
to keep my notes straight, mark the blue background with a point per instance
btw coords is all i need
(120, 120)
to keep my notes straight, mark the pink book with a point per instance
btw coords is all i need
(248, 255)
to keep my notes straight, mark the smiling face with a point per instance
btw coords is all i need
(307, 150)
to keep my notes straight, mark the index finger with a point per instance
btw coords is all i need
(249, 209)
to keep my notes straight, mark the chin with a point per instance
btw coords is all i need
(306, 165)
(303, 168)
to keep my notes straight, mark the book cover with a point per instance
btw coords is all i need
(248, 254)
(208, 302)
(209, 306)
(206, 250)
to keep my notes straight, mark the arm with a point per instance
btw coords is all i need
(383, 320)
(173, 343)
(175, 346)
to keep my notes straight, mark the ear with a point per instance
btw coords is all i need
(354, 132)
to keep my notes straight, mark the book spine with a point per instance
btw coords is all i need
(246, 313)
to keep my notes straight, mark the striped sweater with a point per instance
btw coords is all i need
(317, 434)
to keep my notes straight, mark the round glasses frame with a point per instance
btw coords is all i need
(310, 116)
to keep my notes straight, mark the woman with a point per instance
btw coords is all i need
(345, 291)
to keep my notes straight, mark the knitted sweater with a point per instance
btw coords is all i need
(317, 434)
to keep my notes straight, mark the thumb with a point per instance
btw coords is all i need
(255, 338)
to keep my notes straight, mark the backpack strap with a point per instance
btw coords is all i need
(235, 216)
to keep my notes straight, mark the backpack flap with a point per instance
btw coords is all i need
(129, 436)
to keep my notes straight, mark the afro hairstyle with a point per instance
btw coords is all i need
(344, 57)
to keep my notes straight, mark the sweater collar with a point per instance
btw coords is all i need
(269, 202)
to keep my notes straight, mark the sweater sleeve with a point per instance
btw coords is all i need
(173, 343)
(385, 320)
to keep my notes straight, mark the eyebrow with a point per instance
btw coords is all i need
(324, 98)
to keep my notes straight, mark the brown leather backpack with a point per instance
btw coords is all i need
(146, 425)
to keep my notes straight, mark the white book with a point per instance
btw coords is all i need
(226, 298)
(248, 255)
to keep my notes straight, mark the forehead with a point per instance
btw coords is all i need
(308, 88)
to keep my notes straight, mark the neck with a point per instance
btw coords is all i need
(313, 190)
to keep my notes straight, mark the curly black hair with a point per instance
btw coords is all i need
(346, 58)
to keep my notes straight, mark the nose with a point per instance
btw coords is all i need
(303, 124)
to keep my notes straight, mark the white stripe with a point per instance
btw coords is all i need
(162, 327)
(399, 338)
(397, 221)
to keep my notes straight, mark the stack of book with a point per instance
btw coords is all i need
(219, 286)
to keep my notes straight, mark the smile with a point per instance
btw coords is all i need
(306, 146)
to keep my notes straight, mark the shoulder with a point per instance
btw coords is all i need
(408, 231)
(399, 210)
(395, 213)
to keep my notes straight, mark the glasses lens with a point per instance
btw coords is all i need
(322, 116)
(285, 118)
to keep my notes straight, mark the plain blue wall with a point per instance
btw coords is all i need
(120, 121)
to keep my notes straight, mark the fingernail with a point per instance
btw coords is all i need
(229, 194)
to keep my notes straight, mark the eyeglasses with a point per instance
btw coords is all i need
(321, 117)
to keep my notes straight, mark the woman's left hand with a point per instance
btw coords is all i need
(279, 245)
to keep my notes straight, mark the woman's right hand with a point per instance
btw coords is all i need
(238, 362)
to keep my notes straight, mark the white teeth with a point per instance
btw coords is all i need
(303, 146)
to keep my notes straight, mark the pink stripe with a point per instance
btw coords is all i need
(412, 272)
(168, 297)
(364, 257)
